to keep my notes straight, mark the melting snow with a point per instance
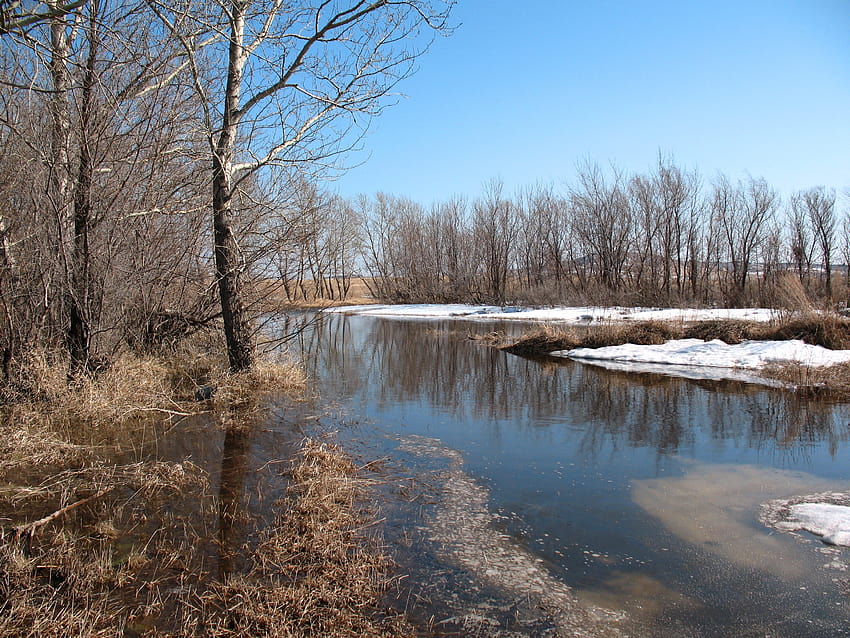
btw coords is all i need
(573, 315)
(829, 521)
(749, 355)
(826, 515)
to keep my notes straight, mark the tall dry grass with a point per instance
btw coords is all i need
(318, 571)
(46, 421)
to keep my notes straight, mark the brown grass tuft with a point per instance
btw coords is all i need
(829, 382)
(316, 572)
(728, 331)
(641, 333)
(542, 341)
(244, 391)
(829, 330)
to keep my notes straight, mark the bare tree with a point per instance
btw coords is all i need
(104, 79)
(800, 245)
(602, 222)
(496, 228)
(820, 205)
(297, 80)
(19, 16)
(742, 214)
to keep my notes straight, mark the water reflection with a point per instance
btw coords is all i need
(232, 514)
(628, 486)
(408, 361)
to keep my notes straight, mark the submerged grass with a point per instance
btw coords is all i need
(317, 570)
(96, 546)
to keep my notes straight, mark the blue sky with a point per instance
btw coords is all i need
(524, 90)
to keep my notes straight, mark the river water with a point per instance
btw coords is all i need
(515, 488)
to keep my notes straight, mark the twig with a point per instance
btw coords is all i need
(24, 533)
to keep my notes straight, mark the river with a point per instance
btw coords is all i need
(518, 494)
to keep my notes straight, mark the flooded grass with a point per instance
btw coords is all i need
(101, 537)
(317, 570)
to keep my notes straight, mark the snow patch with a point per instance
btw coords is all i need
(580, 315)
(829, 521)
(748, 355)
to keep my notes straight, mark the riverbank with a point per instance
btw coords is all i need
(572, 331)
(116, 523)
(805, 352)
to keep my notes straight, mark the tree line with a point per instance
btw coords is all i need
(662, 237)
(156, 160)
(162, 168)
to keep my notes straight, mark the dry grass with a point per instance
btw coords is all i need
(829, 382)
(816, 328)
(91, 547)
(274, 298)
(70, 574)
(542, 341)
(46, 422)
(247, 389)
(828, 330)
(317, 571)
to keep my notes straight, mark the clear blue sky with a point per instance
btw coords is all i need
(525, 89)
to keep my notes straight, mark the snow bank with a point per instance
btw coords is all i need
(570, 315)
(694, 373)
(749, 355)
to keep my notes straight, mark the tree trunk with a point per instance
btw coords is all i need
(228, 266)
(79, 329)
(237, 332)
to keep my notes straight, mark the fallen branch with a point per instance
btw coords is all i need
(24, 533)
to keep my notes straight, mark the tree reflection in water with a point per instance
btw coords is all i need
(611, 478)
(232, 513)
(412, 361)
